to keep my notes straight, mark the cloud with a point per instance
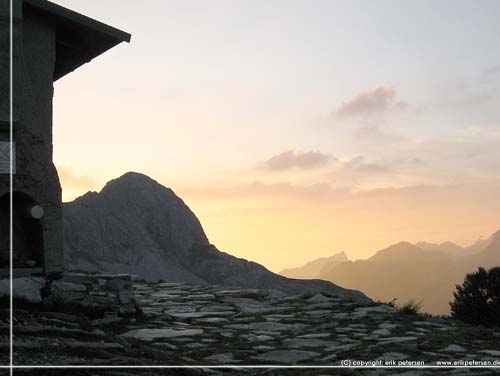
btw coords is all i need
(371, 102)
(292, 159)
(368, 131)
(322, 192)
(70, 180)
(417, 191)
(468, 100)
(359, 164)
(491, 73)
(417, 161)
(401, 105)
(314, 191)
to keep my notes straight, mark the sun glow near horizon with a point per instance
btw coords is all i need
(291, 133)
(283, 226)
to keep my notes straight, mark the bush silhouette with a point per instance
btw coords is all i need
(411, 307)
(477, 300)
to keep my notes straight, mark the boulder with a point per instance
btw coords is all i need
(28, 288)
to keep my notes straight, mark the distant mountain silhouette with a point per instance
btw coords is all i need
(446, 248)
(426, 272)
(403, 252)
(135, 225)
(313, 269)
(453, 249)
(490, 256)
(479, 245)
(405, 271)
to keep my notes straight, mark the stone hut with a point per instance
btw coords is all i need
(49, 41)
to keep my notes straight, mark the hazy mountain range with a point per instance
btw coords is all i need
(313, 268)
(423, 271)
(135, 225)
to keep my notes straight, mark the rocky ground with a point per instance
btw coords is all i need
(189, 325)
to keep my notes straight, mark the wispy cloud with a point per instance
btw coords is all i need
(322, 191)
(375, 101)
(262, 189)
(491, 72)
(359, 164)
(302, 160)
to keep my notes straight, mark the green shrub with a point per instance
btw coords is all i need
(411, 307)
(477, 300)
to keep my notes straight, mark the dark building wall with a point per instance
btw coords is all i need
(34, 61)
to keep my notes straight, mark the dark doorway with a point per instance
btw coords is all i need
(27, 233)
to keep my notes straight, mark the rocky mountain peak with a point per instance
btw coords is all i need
(135, 225)
(396, 252)
(132, 179)
(340, 256)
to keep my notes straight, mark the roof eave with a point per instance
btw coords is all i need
(72, 16)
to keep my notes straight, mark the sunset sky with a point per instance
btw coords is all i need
(296, 129)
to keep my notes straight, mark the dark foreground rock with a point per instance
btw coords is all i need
(213, 326)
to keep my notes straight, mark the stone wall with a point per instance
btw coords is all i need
(33, 60)
(99, 292)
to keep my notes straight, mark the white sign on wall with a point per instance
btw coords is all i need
(5, 148)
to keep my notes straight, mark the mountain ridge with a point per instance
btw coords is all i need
(137, 226)
(426, 272)
(405, 271)
(313, 268)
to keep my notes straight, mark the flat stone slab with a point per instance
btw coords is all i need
(319, 312)
(341, 315)
(168, 293)
(201, 297)
(246, 293)
(216, 308)
(268, 326)
(384, 309)
(382, 332)
(277, 294)
(393, 356)
(305, 342)
(454, 349)
(315, 335)
(68, 286)
(339, 348)
(287, 356)
(393, 340)
(252, 309)
(491, 352)
(93, 345)
(319, 298)
(152, 334)
(388, 325)
(26, 288)
(212, 320)
(191, 315)
(221, 359)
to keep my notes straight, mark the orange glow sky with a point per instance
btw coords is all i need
(295, 131)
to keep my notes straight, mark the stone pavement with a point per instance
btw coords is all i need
(192, 325)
